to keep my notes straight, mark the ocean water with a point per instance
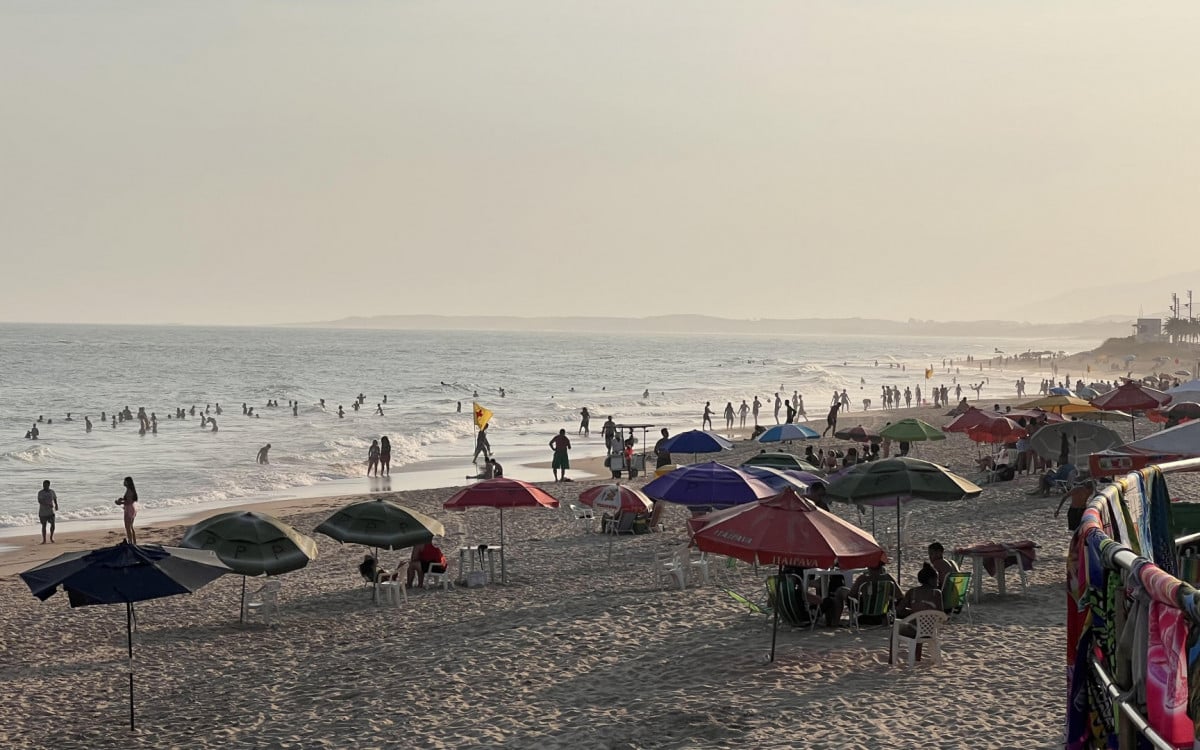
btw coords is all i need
(50, 370)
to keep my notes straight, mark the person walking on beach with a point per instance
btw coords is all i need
(129, 501)
(754, 410)
(743, 410)
(483, 446)
(385, 456)
(609, 430)
(47, 506)
(373, 458)
(560, 444)
(778, 403)
(262, 454)
(831, 418)
(584, 419)
(729, 415)
(707, 418)
(791, 413)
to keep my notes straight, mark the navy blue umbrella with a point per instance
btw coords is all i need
(696, 441)
(125, 573)
(778, 479)
(708, 485)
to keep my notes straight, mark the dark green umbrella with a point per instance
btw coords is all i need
(896, 480)
(911, 431)
(252, 544)
(381, 524)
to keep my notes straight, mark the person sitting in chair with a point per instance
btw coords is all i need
(938, 561)
(864, 582)
(925, 597)
(1065, 473)
(370, 571)
(425, 557)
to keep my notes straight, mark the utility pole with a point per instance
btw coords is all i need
(1174, 305)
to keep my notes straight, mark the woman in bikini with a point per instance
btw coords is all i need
(129, 500)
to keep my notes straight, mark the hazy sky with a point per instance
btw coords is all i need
(258, 162)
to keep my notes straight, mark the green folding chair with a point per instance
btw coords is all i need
(956, 594)
(752, 608)
(874, 600)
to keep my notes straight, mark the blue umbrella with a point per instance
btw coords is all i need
(782, 432)
(125, 573)
(708, 485)
(779, 479)
(696, 441)
(1061, 392)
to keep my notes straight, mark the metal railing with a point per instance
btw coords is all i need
(1124, 559)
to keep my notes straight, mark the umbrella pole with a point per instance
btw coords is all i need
(1133, 424)
(898, 553)
(778, 594)
(129, 637)
(242, 614)
(503, 572)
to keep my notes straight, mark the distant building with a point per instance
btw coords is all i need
(1149, 330)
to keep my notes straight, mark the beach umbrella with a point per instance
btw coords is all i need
(252, 544)
(781, 479)
(632, 501)
(787, 529)
(1183, 373)
(1060, 404)
(1103, 416)
(1088, 393)
(900, 478)
(787, 432)
(709, 484)
(1036, 414)
(695, 442)
(968, 419)
(1131, 396)
(125, 574)
(1060, 391)
(997, 430)
(502, 493)
(1183, 410)
(782, 461)
(380, 524)
(911, 431)
(858, 434)
(1084, 437)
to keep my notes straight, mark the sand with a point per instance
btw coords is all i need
(574, 652)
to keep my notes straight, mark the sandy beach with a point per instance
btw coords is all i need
(574, 652)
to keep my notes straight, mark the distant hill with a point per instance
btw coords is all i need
(1102, 301)
(1098, 329)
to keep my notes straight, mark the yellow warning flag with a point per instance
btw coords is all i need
(928, 373)
(482, 416)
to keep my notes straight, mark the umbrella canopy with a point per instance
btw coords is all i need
(1104, 416)
(785, 432)
(911, 431)
(1183, 373)
(1060, 391)
(1084, 438)
(1040, 414)
(781, 479)
(858, 434)
(968, 419)
(1131, 396)
(632, 501)
(1184, 410)
(1182, 441)
(125, 573)
(708, 484)
(900, 478)
(1060, 404)
(501, 493)
(1087, 393)
(252, 543)
(1189, 391)
(787, 530)
(696, 441)
(782, 461)
(997, 430)
(381, 524)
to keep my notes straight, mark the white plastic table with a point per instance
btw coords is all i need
(472, 553)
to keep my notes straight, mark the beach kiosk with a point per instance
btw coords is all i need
(624, 456)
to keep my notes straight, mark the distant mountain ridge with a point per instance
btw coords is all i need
(1098, 329)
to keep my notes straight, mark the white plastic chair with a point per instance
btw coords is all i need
(667, 567)
(263, 601)
(582, 515)
(435, 578)
(699, 564)
(927, 625)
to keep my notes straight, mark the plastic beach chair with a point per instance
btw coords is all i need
(874, 600)
(752, 608)
(927, 628)
(956, 594)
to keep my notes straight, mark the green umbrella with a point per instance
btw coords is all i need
(381, 524)
(252, 544)
(911, 431)
(896, 480)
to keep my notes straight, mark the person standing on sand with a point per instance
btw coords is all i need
(662, 456)
(778, 403)
(385, 456)
(47, 505)
(609, 430)
(560, 444)
(754, 409)
(707, 418)
(129, 501)
(584, 419)
(729, 415)
(373, 458)
(262, 454)
(483, 446)
(791, 413)
(743, 410)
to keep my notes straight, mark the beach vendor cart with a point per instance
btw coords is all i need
(624, 456)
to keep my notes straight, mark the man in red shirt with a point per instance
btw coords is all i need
(560, 444)
(424, 557)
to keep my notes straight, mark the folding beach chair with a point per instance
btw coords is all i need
(752, 608)
(874, 600)
(955, 594)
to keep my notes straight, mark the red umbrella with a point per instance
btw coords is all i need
(1131, 396)
(1050, 416)
(968, 419)
(787, 529)
(632, 501)
(858, 434)
(997, 430)
(500, 493)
